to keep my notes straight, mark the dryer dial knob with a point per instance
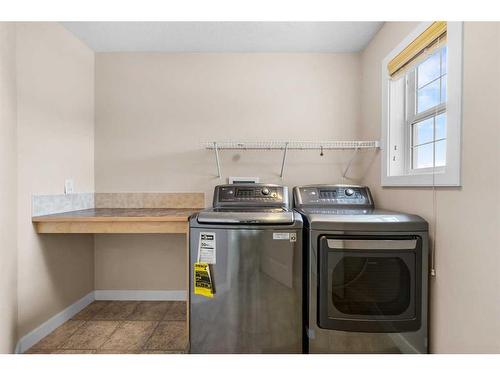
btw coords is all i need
(265, 191)
(349, 192)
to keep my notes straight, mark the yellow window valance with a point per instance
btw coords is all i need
(433, 33)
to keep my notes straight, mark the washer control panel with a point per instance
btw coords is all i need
(332, 195)
(250, 195)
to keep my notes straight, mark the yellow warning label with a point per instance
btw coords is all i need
(202, 280)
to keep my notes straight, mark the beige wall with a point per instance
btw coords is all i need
(55, 109)
(154, 109)
(140, 262)
(8, 212)
(465, 297)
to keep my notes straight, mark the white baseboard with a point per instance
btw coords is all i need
(31, 338)
(140, 295)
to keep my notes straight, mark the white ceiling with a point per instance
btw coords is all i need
(225, 36)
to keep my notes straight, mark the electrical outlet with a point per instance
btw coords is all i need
(69, 186)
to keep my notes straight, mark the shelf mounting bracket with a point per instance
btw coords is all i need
(284, 160)
(216, 150)
(350, 162)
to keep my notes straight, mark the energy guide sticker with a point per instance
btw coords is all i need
(206, 248)
(203, 285)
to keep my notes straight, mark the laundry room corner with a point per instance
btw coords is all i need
(206, 185)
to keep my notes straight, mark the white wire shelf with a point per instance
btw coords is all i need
(290, 145)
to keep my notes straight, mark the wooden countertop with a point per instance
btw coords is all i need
(121, 214)
(117, 220)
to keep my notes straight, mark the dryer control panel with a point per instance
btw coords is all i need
(332, 196)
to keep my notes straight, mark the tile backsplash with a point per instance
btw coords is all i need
(51, 204)
(149, 200)
(57, 203)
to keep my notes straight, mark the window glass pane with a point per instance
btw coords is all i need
(423, 131)
(440, 153)
(441, 126)
(429, 70)
(444, 60)
(428, 96)
(444, 95)
(422, 156)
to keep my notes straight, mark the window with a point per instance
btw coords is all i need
(421, 120)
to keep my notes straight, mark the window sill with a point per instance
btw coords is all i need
(427, 171)
(422, 179)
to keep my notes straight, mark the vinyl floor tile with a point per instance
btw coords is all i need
(73, 351)
(163, 352)
(149, 310)
(169, 335)
(116, 310)
(117, 351)
(91, 335)
(89, 312)
(59, 336)
(176, 310)
(130, 335)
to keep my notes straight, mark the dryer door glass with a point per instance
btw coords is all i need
(369, 284)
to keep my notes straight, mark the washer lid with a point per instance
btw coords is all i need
(246, 215)
(362, 219)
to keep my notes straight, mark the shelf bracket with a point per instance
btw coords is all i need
(350, 162)
(216, 150)
(284, 160)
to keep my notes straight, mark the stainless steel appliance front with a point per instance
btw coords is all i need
(366, 285)
(257, 273)
(257, 305)
(360, 340)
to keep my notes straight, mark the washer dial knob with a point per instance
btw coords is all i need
(349, 192)
(265, 191)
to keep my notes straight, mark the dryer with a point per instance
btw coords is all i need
(366, 273)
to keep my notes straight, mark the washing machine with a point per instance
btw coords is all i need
(366, 273)
(251, 240)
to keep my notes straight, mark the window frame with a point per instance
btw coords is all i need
(448, 175)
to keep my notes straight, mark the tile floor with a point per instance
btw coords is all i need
(120, 327)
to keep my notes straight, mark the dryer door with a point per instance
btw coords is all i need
(369, 284)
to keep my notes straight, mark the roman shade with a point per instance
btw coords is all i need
(433, 36)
